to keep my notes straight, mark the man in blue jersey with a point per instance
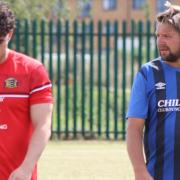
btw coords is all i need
(154, 108)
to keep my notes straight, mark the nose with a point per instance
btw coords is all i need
(161, 41)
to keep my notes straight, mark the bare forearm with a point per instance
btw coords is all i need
(135, 150)
(36, 146)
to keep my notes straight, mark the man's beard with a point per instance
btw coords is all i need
(171, 57)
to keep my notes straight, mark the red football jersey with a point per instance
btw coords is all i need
(23, 82)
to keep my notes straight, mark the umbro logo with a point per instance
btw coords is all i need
(160, 85)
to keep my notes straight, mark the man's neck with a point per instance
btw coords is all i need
(174, 64)
(4, 56)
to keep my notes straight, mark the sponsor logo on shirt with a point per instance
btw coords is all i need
(160, 85)
(3, 126)
(168, 105)
(11, 83)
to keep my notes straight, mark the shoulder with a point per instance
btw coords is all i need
(22, 60)
(152, 65)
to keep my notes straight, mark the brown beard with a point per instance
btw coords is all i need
(170, 58)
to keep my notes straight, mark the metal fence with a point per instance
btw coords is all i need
(91, 67)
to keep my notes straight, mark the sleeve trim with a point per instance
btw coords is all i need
(40, 88)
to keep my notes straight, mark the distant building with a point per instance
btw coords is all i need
(116, 9)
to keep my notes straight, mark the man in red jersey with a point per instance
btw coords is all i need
(25, 107)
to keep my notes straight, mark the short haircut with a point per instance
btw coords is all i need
(171, 16)
(7, 19)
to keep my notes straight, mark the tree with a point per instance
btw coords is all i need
(61, 9)
(147, 10)
(32, 9)
(44, 9)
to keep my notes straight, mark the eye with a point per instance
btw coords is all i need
(166, 36)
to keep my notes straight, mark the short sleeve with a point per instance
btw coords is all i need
(40, 87)
(138, 104)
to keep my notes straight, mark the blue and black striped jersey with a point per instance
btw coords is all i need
(155, 97)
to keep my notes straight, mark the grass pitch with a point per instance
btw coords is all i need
(85, 160)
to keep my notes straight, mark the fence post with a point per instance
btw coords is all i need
(155, 49)
(42, 40)
(124, 81)
(67, 78)
(107, 76)
(75, 78)
(59, 37)
(148, 36)
(140, 31)
(116, 80)
(83, 42)
(17, 35)
(91, 75)
(50, 49)
(99, 75)
(132, 49)
(34, 33)
(26, 37)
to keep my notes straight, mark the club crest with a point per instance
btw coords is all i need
(11, 83)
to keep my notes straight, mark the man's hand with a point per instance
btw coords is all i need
(20, 174)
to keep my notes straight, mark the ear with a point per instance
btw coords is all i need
(9, 35)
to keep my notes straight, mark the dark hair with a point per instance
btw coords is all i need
(7, 19)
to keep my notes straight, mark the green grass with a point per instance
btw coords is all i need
(85, 160)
